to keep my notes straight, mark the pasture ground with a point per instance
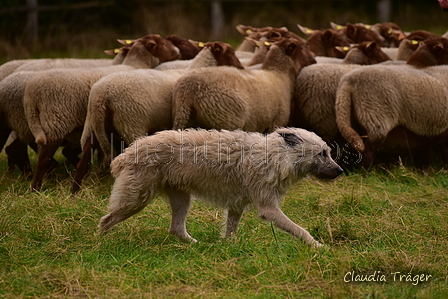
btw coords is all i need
(387, 226)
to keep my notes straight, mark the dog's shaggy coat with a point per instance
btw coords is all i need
(230, 169)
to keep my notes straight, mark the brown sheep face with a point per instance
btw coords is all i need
(323, 43)
(161, 48)
(430, 52)
(298, 51)
(224, 54)
(187, 49)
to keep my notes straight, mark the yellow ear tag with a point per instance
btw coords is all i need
(116, 51)
(201, 45)
(309, 31)
(368, 26)
(414, 42)
(339, 27)
(267, 44)
(346, 48)
(248, 31)
(390, 31)
(128, 42)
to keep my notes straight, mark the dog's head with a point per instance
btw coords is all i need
(310, 154)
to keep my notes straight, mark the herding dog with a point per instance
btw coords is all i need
(230, 169)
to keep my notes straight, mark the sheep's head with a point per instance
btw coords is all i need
(430, 52)
(360, 33)
(160, 47)
(298, 51)
(366, 53)
(188, 50)
(224, 54)
(323, 43)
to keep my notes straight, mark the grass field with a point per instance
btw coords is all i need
(388, 227)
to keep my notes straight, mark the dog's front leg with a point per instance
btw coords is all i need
(273, 213)
(180, 204)
(233, 219)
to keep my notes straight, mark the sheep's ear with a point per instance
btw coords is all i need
(343, 50)
(244, 30)
(217, 47)
(151, 44)
(370, 47)
(400, 35)
(336, 26)
(291, 139)
(290, 48)
(126, 42)
(328, 35)
(438, 47)
(351, 30)
(112, 52)
(305, 30)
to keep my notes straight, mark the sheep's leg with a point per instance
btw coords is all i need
(180, 204)
(233, 219)
(17, 153)
(83, 165)
(370, 147)
(4, 135)
(127, 199)
(44, 162)
(71, 152)
(271, 212)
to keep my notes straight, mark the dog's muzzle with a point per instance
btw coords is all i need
(328, 171)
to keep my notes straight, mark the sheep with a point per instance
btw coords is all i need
(188, 50)
(357, 33)
(55, 102)
(411, 42)
(9, 67)
(262, 34)
(316, 86)
(12, 90)
(377, 101)
(324, 42)
(391, 32)
(252, 100)
(20, 65)
(136, 103)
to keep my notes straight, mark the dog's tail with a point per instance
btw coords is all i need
(343, 109)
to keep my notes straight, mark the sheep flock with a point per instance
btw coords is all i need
(372, 92)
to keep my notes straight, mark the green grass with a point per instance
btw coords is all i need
(384, 221)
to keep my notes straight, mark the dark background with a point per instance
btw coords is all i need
(73, 28)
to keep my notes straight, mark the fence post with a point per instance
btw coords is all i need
(217, 19)
(31, 21)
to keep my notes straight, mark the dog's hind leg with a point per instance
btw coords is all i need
(233, 219)
(273, 213)
(180, 204)
(126, 200)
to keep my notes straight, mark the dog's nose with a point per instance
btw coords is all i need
(340, 170)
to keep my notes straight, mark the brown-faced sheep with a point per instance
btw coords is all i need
(324, 42)
(316, 86)
(12, 90)
(252, 100)
(376, 100)
(55, 102)
(137, 103)
(357, 33)
(264, 33)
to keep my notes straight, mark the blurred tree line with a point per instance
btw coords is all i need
(86, 27)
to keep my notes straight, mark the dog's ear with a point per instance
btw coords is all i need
(291, 139)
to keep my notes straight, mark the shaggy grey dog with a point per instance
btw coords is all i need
(230, 169)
